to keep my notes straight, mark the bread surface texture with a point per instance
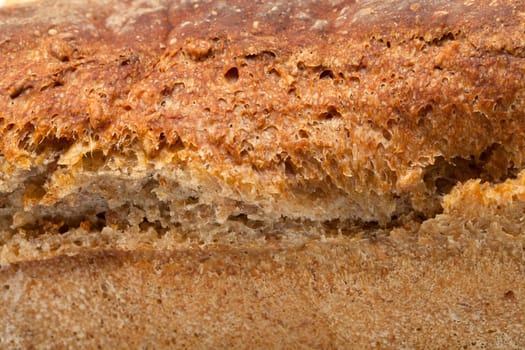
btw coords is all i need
(245, 174)
(436, 291)
(210, 116)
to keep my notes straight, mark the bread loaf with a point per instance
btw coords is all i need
(330, 166)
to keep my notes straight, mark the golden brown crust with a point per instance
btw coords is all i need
(289, 109)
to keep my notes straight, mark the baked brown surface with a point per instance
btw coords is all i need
(205, 115)
(349, 172)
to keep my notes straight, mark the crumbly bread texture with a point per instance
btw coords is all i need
(220, 174)
(199, 120)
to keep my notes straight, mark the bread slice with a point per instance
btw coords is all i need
(339, 141)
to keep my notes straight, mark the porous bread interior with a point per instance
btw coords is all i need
(78, 200)
(63, 196)
(317, 152)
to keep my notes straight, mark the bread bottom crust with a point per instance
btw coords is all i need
(456, 289)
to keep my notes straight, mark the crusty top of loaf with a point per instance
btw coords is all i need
(361, 110)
